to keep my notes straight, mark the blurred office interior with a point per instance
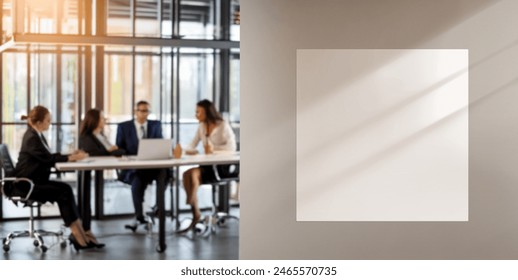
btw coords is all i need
(73, 55)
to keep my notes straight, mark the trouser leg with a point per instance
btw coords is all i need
(138, 187)
(61, 193)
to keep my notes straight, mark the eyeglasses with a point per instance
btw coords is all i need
(144, 111)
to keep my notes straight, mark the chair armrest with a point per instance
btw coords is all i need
(216, 172)
(15, 180)
(218, 176)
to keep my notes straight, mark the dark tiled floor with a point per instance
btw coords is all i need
(125, 245)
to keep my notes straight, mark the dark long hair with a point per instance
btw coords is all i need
(213, 116)
(91, 121)
(37, 114)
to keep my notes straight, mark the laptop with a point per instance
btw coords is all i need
(153, 149)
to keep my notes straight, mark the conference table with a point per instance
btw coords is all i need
(109, 162)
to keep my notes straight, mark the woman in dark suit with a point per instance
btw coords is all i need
(35, 161)
(92, 139)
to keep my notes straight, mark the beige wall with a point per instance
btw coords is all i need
(272, 31)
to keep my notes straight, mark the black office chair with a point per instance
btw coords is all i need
(19, 191)
(217, 217)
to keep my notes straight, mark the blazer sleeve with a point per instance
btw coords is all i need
(157, 129)
(196, 139)
(35, 148)
(120, 139)
(92, 146)
(119, 152)
(229, 135)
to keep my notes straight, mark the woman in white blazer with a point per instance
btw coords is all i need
(215, 135)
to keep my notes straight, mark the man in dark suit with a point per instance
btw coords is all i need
(128, 135)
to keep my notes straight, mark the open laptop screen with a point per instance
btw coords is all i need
(152, 149)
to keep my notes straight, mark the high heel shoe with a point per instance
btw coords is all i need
(192, 226)
(76, 245)
(92, 244)
(92, 241)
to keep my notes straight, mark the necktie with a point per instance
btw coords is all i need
(143, 131)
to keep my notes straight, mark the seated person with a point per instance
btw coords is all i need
(92, 139)
(129, 134)
(35, 161)
(216, 135)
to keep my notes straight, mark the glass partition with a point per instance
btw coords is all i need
(118, 15)
(118, 87)
(147, 18)
(197, 19)
(7, 19)
(14, 86)
(234, 98)
(43, 82)
(50, 17)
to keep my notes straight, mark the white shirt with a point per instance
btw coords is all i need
(222, 137)
(106, 143)
(43, 142)
(139, 129)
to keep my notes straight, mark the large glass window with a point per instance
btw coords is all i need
(7, 19)
(235, 27)
(196, 83)
(118, 86)
(69, 94)
(167, 97)
(167, 19)
(119, 21)
(14, 86)
(147, 15)
(43, 81)
(234, 98)
(50, 16)
(147, 82)
(197, 19)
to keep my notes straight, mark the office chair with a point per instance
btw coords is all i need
(153, 213)
(19, 190)
(218, 217)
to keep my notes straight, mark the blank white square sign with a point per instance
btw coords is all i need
(382, 135)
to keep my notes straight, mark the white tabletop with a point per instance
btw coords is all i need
(109, 162)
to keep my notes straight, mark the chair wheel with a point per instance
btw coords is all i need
(6, 248)
(221, 222)
(43, 248)
(63, 244)
(35, 243)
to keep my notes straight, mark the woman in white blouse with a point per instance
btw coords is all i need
(215, 135)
